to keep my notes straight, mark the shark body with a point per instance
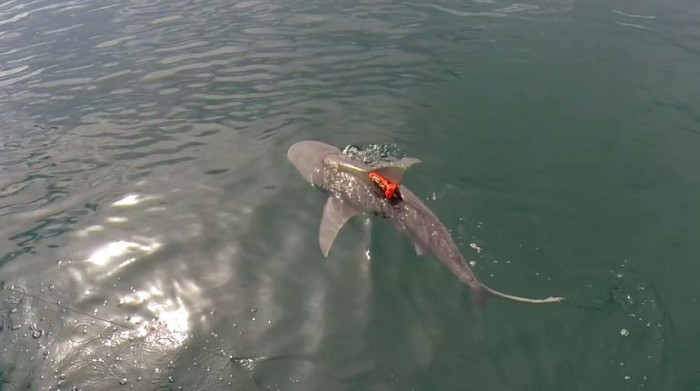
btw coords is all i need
(346, 181)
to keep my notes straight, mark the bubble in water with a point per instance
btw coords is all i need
(64, 263)
(37, 334)
(475, 247)
(15, 327)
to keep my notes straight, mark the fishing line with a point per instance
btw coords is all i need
(59, 305)
(248, 363)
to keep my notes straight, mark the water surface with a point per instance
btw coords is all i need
(154, 236)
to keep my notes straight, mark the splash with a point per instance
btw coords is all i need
(375, 155)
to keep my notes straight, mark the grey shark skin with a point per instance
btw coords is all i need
(345, 180)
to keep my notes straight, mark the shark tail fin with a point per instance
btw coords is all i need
(484, 293)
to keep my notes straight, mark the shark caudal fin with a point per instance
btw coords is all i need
(484, 293)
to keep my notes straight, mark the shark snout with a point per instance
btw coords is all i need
(308, 157)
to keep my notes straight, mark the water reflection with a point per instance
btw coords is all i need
(100, 322)
(103, 255)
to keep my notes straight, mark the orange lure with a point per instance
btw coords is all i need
(389, 188)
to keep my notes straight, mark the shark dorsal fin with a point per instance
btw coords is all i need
(395, 171)
(335, 214)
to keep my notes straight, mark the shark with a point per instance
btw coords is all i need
(353, 188)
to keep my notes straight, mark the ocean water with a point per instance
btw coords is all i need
(153, 235)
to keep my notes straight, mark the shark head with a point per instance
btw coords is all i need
(309, 158)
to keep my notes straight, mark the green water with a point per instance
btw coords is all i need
(144, 184)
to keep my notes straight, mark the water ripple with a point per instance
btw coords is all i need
(146, 199)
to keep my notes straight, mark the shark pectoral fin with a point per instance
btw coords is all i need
(419, 249)
(335, 214)
(395, 171)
